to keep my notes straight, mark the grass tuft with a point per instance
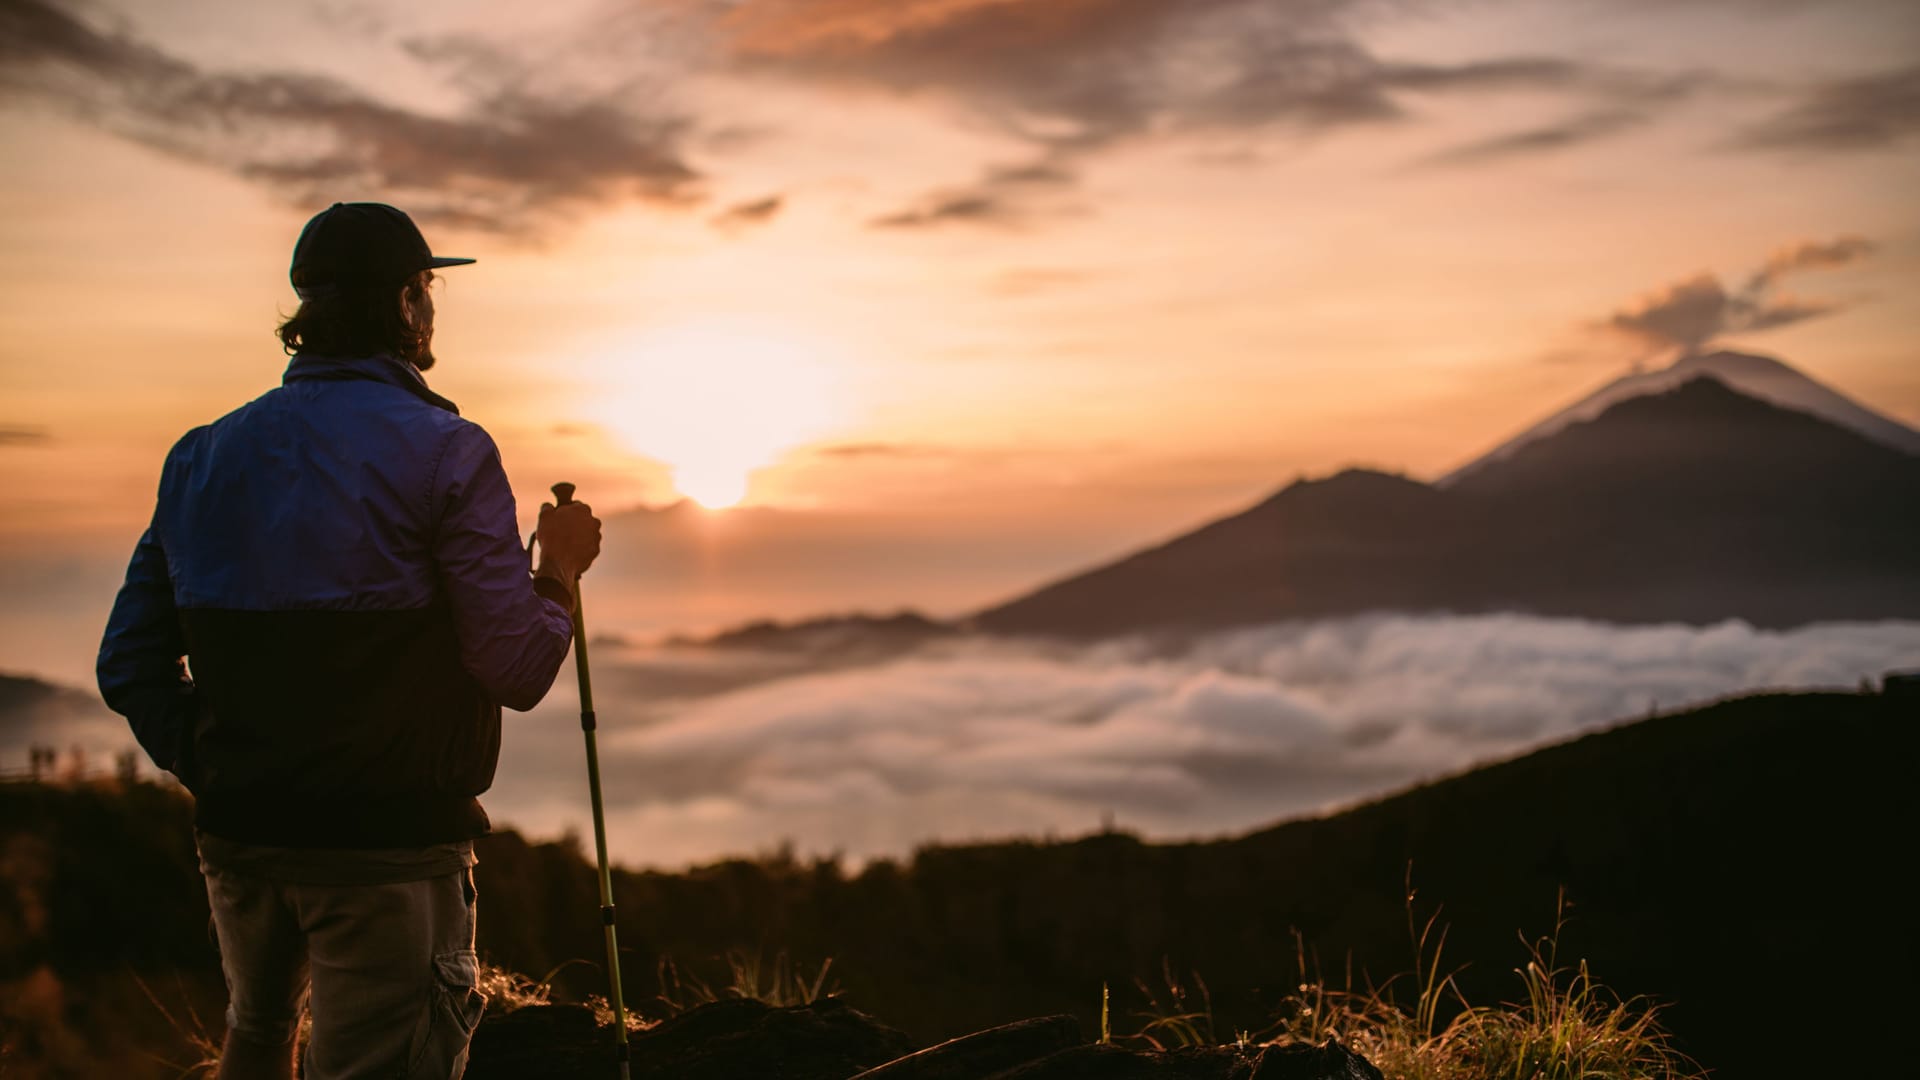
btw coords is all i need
(200, 1043)
(1566, 1026)
(507, 991)
(1181, 1015)
(780, 982)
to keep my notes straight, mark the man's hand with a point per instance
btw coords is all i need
(569, 539)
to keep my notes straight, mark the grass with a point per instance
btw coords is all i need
(507, 991)
(1565, 1026)
(202, 1047)
(1180, 1015)
(780, 982)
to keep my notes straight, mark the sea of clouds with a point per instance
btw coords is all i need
(709, 752)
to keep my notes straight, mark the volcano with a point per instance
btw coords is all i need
(1690, 496)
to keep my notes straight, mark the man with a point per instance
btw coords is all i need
(316, 635)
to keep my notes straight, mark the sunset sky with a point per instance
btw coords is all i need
(995, 286)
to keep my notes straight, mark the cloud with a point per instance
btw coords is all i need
(751, 212)
(1870, 112)
(946, 208)
(882, 450)
(1005, 195)
(710, 753)
(23, 435)
(1072, 78)
(1173, 736)
(1693, 312)
(512, 159)
(1618, 100)
(1812, 255)
(1067, 79)
(1572, 132)
(1085, 73)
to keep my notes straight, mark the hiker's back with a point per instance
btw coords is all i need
(299, 531)
(316, 495)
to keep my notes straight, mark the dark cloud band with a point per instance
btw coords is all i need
(1872, 112)
(510, 161)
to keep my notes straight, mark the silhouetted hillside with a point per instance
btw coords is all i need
(38, 717)
(28, 704)
(1694, 505)
(1743, 861)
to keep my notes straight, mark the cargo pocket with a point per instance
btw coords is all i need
(440, 1048)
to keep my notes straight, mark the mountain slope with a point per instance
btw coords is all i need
(1319, 547)
(1695, 505)
(1705, 856)
(1760, 377)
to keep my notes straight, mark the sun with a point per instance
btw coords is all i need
(717, 399)
(715, 486)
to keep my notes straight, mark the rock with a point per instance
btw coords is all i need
(985, 1052)
(827, 1040)
(540, 1042)
(1107, 1061)
(1305, 1061)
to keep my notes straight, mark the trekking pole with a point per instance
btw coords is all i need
(563, 494)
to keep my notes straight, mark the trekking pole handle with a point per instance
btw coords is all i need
(562, 493)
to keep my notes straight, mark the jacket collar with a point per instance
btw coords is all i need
(378, 368)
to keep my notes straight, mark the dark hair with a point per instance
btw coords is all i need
(364, 321)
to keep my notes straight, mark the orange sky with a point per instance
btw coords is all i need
(1052, 279)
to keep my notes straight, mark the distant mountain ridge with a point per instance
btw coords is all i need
(1694, 504)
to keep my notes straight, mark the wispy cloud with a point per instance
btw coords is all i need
(750, 212)
(1572, 132)
(1810, 255)
(882, 450)
(1173, 736)
(24, 435)
(1006, 195)
(1869, 112)
(1074, 78)
(1080, 74)
(512, 159)
(1694, 311)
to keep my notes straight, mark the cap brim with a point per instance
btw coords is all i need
(438, 261)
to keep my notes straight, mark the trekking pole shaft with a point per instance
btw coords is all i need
(564, 493)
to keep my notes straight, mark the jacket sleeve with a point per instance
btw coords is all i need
(512, 640)
(141, 668)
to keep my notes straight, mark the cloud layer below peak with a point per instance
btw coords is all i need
(1170, 737)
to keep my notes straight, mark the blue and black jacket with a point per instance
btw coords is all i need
(332, 603)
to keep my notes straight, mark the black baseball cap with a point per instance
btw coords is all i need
(360, 245)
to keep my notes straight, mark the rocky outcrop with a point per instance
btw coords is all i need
(725, 1040)
(984, 1053)
(540, 1042)
(1104, 1061)
(829, 1040)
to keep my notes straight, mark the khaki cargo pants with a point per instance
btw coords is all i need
(391, 969)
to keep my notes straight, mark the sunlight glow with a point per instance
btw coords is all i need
(717, 399)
